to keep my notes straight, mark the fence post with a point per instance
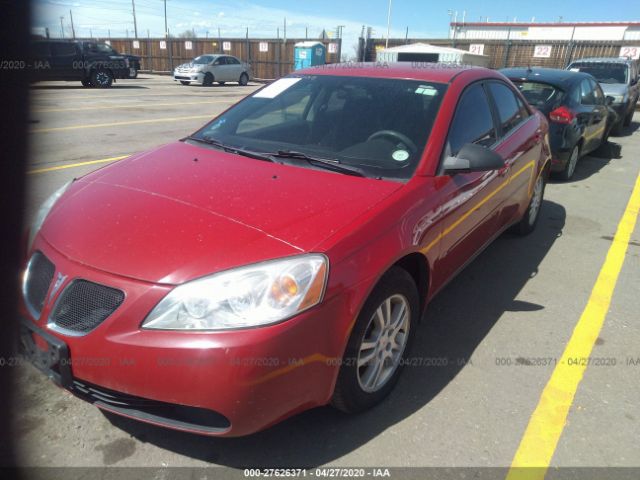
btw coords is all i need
(170, 50)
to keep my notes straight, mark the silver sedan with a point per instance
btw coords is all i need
(207, 69)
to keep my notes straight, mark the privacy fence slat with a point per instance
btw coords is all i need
(512, 53)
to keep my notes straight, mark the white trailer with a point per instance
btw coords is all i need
(424, 52)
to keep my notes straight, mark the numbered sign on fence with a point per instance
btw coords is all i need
(476, 48)
(188, 45)
(108, 42)
(542, 51)
(163, 45)
(630, 52)
(264, 47)
(136, 44)
(226, 46)
(333, 48)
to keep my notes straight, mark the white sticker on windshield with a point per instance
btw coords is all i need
(277, 87)
(426, 90)
(400, 155)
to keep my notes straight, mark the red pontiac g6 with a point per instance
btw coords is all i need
(281, 257)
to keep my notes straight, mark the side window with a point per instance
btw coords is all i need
(575, 94)
(40, 49)
(472, 122)
(507, 105)
(597, 93)
(522, 109)
(64, 49)
(232, 61)
(219, 61)
(587, 97)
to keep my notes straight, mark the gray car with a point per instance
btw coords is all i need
(618, 78)
(210, 68)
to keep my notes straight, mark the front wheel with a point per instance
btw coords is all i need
(244, 80)
(208, 80)
(101, 78)
(530, 219)
(569, 169)
(379, 343)
(86, 83)
(184, 83)
(628, 118)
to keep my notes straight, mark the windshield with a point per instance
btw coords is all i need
(101, 48)
(539, 94)
(380, 126)
(604, 72)
(203, 59)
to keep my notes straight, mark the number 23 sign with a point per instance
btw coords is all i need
(630, 52)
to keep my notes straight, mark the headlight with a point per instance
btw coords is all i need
(249, 296)
(44, 210)
(619, 98)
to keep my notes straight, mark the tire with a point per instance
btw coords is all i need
(358, 387)
(86, 83)
(628, 118)
(221, 83)
(529, 220)
(208, 79)
(135, 75)
(101, 78)
(244, 80)
(570, 168)
(618, 127)
(184, 83)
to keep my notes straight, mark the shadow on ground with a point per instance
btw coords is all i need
(115, 86)
(451, 329)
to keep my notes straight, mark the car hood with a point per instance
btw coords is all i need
(614, 88)
(184, 211)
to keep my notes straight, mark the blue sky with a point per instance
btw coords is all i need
(424, 18)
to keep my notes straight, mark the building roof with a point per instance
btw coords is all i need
(546, 24)
(309, 44)
(425, 48)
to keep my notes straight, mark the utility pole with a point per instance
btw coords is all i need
(62, 26)
(388, 25)
(73, 30)
(285, 30)
(166, 29)
(135, 24)
(90, 33)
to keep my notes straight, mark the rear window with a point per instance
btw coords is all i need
(539, 94)
(603, 72)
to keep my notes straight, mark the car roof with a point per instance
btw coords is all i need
(602, 60)
(558, 78)
(432, 72)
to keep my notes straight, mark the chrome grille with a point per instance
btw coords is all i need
(37, 279)
(83, 306)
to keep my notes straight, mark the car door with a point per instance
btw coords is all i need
(602, 112)
(66, 61)
(520, 145)
(235, 68)
(470, 201)
(40, 60)
(223, 69)
(590, 116)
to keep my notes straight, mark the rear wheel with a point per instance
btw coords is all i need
(244, 79)
(378, 344)
(530, 219)
(101, 78)
(208, 80)
(570, 167)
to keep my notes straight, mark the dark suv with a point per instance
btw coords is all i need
(76, 60)
(618, 77)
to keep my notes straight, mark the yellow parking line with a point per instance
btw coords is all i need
(73, 165)
(117, 124)
(131, 105)
(548, 419)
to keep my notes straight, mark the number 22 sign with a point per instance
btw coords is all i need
(542, 51)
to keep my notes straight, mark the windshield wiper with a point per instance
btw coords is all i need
(231, 149)
(334, 165)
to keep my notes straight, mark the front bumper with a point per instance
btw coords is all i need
(197, 77)
(227, 383)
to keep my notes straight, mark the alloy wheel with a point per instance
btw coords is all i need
(383, 343)
(536, 200)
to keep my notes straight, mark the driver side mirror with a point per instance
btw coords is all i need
(473, 158)
(634, 81)
(608, 100)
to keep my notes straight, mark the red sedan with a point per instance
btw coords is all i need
(281, 257)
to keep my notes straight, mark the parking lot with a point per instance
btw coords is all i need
(480, 364)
